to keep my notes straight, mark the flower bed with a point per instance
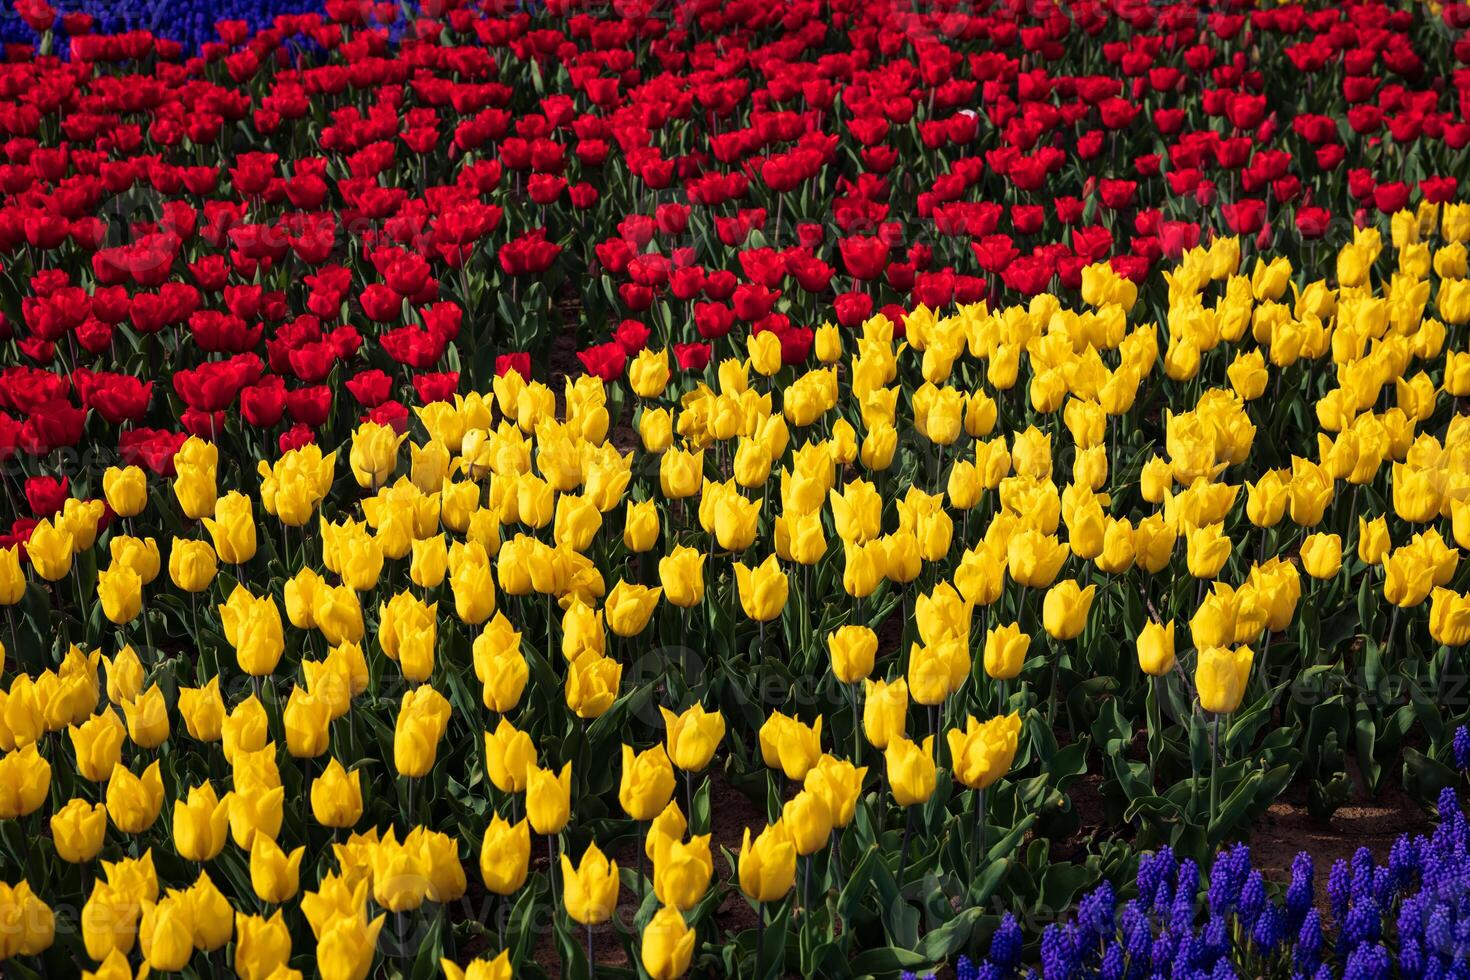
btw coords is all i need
(710, 488)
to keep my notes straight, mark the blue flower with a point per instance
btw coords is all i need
(1462, 748)
(1299, 892)
(1005, 945)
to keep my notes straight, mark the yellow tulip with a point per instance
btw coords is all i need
(852, 650)
(762, 589)
(911, 771)
(647, 782)
(767, 865)
(505, 856)
(336, 796)
(548, 798)
(133, 802)
(983, 752)
(78, 830)
(693, 736)
(1156, 648)
(1220, 677)
(232, 528)
(591, 888)
(1322, 555)
(885, 711)
(1064, 611)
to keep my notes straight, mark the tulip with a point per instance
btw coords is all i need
(629, 608)
(1408, 576)
(496, 969)
(1064, 611)
(911, 771)
(147, 717)
(808, 819)
(983, 752)
(262, 946)
(305, 719)
(126, 490)
(647, 782)
(166, 934)
(273, 873)
(121, 591)
(1207, 550)
(592, 685)
(422, 719)
(203, 711)
(591, 888)
(256, 811)
(548, 798)
(500, 666)
(374, 454)
(505, 856)
(232, 528)
(669, 825)
(1005, 651)
(196, 465)
(336, 796)
(1220, 677)
(509, 753)
(78, 830)
(12, 579)
(1449, 618)
(201, 823)
(430, 561)
(681, 871)
(789, 745)
(1034, 559)
(885, 711)
(693, 736)
(681, 574)
(839, 783)
(680, 473)
(936, 671)
(1322, 555)
(762, 589)
(191, 564)
(133, 802)
(1156, 649)
(97, 743)
(640, 526)
(472, 583)
(767, 864)
(1373, 540)
(253, 627)
(346, 947)
(50, 550)
(852, 650)
(668, 945)
(210, 913)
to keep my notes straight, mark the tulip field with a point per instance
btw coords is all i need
(706, 487)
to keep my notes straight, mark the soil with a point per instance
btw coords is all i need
(1287, 829)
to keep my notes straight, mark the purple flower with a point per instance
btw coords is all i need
(1462, 748)
(1299, 893)
(1005, 945)
(1309, 941)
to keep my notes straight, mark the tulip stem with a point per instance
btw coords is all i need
(689, 795)
(591, 961)
(1215, 770)
(857, 727)
(640, 863)
(760, 936)
(903, 848)
(881, 804)
(979, 829)
(551, 871)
